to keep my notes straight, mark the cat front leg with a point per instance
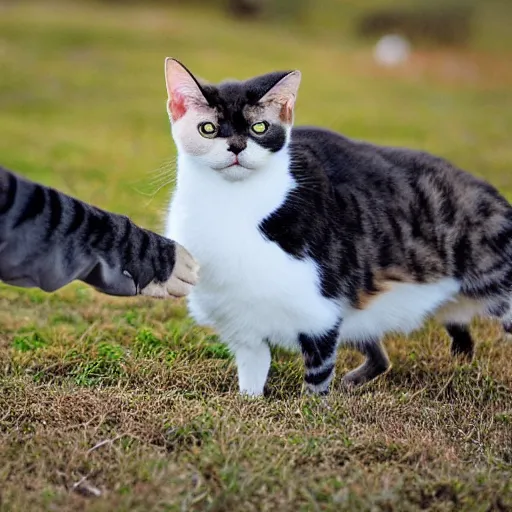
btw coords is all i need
(319, 353)
(253, 364)
(376, 363)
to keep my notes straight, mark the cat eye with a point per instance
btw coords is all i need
(260, 128)
(208, 130)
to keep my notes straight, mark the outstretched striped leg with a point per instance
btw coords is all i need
(462, 341)
(376, 363)
(319, 357)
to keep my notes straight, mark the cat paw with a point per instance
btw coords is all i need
(362, 375)
(252, 395)
(183, 277)
(354, 379)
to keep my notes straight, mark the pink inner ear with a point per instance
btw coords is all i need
(177, 106)
(286, 114)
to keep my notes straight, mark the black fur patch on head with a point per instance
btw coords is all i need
(229, 100)
(273, 139)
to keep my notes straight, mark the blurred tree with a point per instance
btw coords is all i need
(246, 8)
(289, 10)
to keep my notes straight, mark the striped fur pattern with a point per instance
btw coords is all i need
(308, 239)
(48, 239)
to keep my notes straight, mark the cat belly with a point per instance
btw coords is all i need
(262, 295)
(249, 288)
(403, 308)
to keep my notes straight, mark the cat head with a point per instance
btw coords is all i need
(234, 128)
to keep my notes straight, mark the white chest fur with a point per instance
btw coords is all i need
(249, 289)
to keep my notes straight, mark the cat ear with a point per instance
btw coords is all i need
(183, 90)
(285, 93)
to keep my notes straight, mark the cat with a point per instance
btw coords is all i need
(48, 239)
(308, 239)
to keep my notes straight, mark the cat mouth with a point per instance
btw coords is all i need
(236, 163)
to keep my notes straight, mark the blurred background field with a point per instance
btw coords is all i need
(82, 108)
(82, 97)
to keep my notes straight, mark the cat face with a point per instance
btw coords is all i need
(234, 128)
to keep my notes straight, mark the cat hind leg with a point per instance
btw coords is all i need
(375, 364)
(456, 317)
(506, 320)
(462, 344)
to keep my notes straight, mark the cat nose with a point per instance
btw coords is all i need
(237, 147)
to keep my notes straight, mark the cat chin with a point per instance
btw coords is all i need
(236, 173)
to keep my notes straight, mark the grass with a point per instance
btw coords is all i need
(110, 404)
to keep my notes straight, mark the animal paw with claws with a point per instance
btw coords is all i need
(183, 277)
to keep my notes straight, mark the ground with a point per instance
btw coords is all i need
(113, 404)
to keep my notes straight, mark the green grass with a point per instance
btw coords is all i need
(110, 404)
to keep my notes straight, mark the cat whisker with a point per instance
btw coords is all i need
(160, 178)
(169, 178)
(168, 166)
(155, 192)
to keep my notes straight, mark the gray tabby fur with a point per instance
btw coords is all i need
(48, 239)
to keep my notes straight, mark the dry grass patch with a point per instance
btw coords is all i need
(172, 433)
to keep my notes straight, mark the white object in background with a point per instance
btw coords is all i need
(391, 50)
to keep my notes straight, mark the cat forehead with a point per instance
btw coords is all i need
(235, 94)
